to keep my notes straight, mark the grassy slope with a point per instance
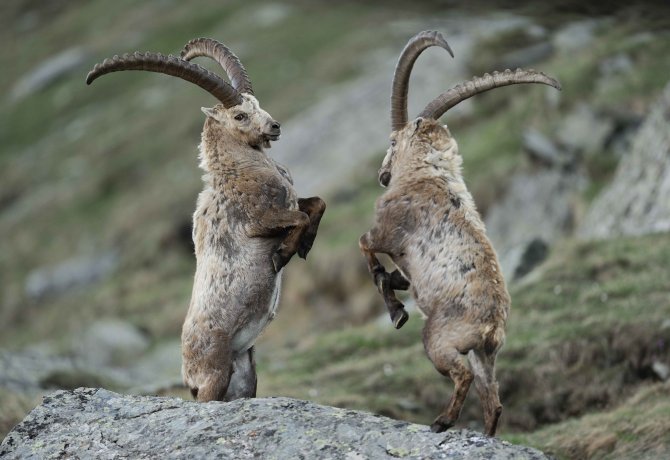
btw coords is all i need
(582, 337)
(98, 180)
(638, 428)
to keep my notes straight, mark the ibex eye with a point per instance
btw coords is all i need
(240, 116)
(393, 143)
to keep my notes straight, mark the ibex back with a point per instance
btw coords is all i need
(428, 224)
(248, 224)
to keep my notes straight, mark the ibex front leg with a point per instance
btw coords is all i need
(296, 222)
(385, 282)
(314, 207)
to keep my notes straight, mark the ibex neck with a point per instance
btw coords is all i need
(227, 155)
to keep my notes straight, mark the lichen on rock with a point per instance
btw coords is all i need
(97, 423)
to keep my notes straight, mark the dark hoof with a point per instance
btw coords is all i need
(400, 318)
(399, 282)
(278, 261)
(305, 245)
(303, 250)
(439, 427)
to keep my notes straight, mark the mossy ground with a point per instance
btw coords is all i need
(639, 427)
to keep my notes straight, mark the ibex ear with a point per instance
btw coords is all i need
(209, 112)
(416, 123)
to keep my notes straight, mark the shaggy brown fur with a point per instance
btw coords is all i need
(248, 224)
(428, 224)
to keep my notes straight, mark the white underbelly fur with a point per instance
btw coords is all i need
(246, 337)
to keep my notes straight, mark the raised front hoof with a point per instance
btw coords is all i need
(305, 245)
(399, 318)
(303, 250)
(399, 282)
(440, 426)
(278, 261)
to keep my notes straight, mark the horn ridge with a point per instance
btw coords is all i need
(415, 46)
(457, 94)
(219, 52)
(169, 65)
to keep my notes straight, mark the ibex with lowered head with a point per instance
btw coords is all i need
(248, 223)
(427, 223)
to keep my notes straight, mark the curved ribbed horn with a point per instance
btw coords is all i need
(224, 56)
(438, 106)
(415, 46)
(170, 65)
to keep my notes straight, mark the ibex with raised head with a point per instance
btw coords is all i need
(248, 223)
(427, 223)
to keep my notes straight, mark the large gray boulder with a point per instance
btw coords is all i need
(96, 423)
(70, 274)
(638, 199)
(538, 209)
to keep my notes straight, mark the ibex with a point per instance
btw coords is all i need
(426, 221)
(248, 223)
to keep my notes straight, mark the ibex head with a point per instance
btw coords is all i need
(246, 121)
(421, 142)
(425, 133)
(238, 112)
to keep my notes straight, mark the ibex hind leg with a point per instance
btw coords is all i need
(483, 366)
(445, 348)
(243, 381)
(214, 387)
(450, 363)
(217, 366)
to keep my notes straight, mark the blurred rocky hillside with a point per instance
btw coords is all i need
(99, 183)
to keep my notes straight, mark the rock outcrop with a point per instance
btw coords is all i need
(538, 208)
(638, 199)
(96, 423)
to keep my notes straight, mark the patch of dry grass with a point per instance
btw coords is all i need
(638, 428)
